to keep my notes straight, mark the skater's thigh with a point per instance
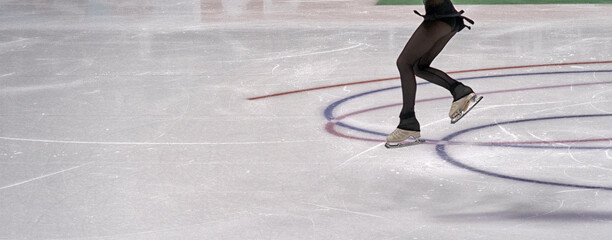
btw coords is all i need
(423, 40)
(433, 52)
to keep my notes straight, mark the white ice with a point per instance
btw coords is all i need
(132, 120)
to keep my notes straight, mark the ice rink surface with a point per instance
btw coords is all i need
(132, 120)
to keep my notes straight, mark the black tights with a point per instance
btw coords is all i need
(425, 44)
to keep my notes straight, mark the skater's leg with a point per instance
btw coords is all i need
(420, 44)
(462, 95)
(424, 70)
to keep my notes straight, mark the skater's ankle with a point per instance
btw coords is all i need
(461, 96)
(409, 124)
(458, 90)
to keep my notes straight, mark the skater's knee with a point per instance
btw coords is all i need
(401, 63)
(404, 64)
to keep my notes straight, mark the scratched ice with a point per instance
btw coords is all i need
(262, 119)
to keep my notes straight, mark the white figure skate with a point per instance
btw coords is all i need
(463, 106)
(398, 138)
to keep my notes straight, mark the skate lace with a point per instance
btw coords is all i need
(397, 133)
(403, 134)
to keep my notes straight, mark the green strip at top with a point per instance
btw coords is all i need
(476, 2)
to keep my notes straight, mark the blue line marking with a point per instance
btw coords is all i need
(441, 147)
(329, 111)
(442, 153)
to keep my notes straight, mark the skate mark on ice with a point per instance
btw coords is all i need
(584, 164)
(516, 138)
(347, 211)
(359, 154)
(44, 176)
(8, 74)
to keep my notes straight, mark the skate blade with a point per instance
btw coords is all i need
(403, 144)
(475, 100)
